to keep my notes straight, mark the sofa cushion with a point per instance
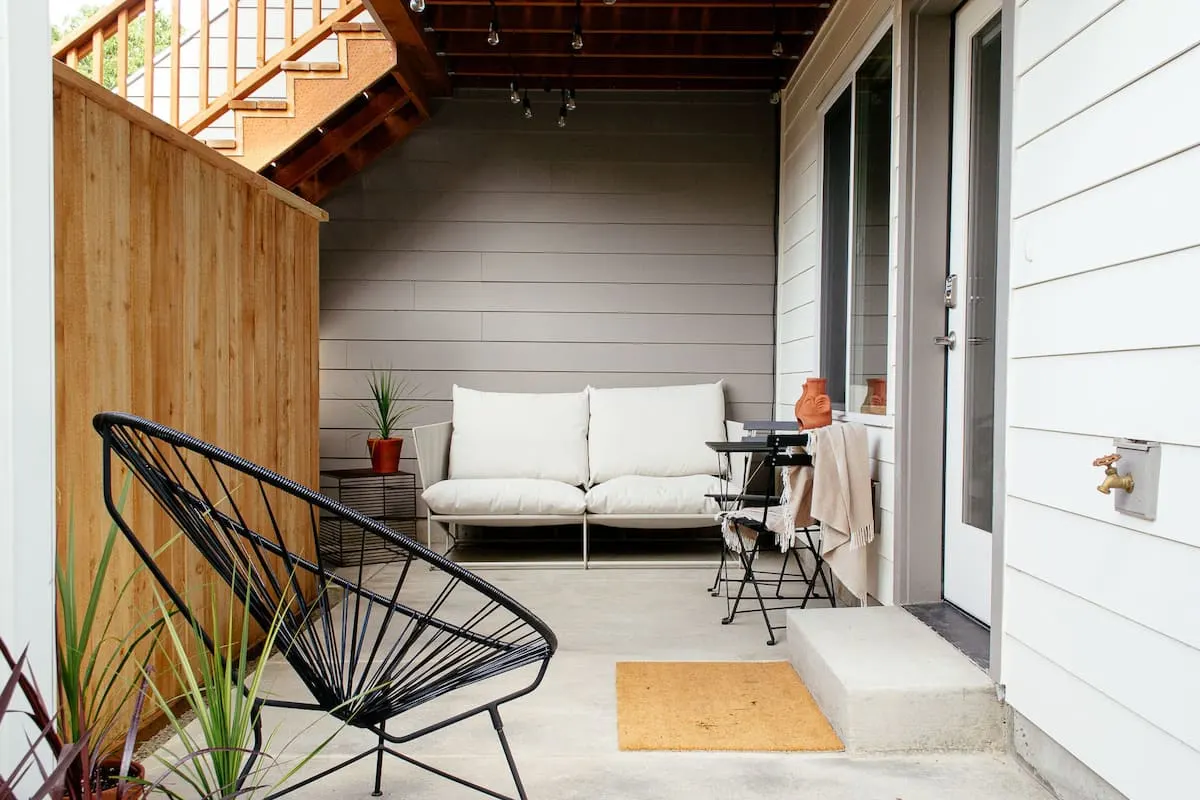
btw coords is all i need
(511, 435)
(503, 496)
(639, 494)
(658, 432)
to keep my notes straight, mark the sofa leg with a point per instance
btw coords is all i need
(585, 543)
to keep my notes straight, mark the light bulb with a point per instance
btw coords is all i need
(775, 97)
(577, 38)
(562, 117)
(493, 35)
(417, 5)
(777, 49)
(610, 2)
(513, 96)
(528, 108)
(571, 100)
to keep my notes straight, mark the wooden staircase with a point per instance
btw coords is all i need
(307, 95)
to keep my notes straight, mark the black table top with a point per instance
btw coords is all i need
(365, 472)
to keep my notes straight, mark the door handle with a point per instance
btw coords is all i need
(979, 339)
(946, 341)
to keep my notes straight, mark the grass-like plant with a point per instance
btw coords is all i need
(387, 408)
(98, 668)
(222, 689)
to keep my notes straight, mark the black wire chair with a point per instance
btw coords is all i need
(367, 653)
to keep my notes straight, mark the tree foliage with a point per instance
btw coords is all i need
(137, 42)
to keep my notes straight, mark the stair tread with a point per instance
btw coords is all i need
(311, 66)
(221, 144)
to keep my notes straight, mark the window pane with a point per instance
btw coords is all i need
(978, 444)
(872, 220)
(835, 256)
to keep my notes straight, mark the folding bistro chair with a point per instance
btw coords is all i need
(367, 653)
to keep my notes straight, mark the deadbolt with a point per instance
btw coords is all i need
(946, 341)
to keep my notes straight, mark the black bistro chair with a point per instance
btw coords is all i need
(367, 653)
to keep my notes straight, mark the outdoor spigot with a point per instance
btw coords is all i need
(1111, 479)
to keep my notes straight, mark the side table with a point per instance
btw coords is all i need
(390, 498)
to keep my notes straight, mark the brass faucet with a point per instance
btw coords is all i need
(1111, 479)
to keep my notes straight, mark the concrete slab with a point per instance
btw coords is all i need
(564, 735)
(888, 683)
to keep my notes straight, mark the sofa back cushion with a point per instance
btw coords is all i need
(658, 432)
(518, 435)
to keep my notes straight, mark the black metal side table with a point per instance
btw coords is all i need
(389, 497)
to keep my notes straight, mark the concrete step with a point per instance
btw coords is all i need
(888, 683)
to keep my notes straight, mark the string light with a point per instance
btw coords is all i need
(514, 94)
(577, 34)
(777, 47)
(570, 104)
(527, 106)
(493, 37)
(562, 116)
(417, 5)
(610, 2)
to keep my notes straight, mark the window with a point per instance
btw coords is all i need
(855, 266)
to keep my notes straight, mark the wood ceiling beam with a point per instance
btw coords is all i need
(414, 53)
(387, 133)
(343, 137)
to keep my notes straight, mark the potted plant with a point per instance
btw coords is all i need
(98, 675)
(217, 756)
(386, 410)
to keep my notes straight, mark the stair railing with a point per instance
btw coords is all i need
(283, 30)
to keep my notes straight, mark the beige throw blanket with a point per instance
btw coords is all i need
(842, 502)
(782, 520)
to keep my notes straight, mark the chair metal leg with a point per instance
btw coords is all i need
(379, 765)
(512, 764)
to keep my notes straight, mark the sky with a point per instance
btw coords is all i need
(61, 9)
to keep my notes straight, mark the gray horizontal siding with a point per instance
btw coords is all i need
(634, 248)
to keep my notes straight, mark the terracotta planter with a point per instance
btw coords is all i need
(876, 402)
(109, 769)
(813, 409)
(385, 454)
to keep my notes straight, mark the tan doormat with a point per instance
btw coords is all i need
(703, 705)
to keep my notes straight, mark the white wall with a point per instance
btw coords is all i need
(26, 345)
(845, 35)
(1102, 611)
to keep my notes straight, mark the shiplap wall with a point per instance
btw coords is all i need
(1102, 633)
(843, 38)
(633, 248)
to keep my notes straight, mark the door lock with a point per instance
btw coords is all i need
(946, 341)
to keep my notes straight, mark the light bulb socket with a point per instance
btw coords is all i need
(777, 48)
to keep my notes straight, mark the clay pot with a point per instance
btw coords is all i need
(813, 409)
(385, 454)
(109, 769)
(876, 401)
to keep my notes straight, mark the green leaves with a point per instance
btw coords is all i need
(386, 408)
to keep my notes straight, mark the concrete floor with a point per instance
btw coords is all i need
(564, 734)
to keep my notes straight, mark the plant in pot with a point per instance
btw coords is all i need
(386, 410)
(217, 752)
(99, 674)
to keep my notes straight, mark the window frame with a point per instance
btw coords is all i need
(840, 87)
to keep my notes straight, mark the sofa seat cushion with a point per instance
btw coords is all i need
(519, 435)
(657, 431)
(503, 496)
(639, 494)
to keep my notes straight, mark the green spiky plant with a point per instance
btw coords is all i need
(386, 408)
(222, 686)
(98, 668)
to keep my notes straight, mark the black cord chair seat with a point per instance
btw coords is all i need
(368, 648)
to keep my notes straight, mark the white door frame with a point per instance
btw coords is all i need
(967, 548)
(925, 45)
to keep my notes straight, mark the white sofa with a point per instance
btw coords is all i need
(632, 458)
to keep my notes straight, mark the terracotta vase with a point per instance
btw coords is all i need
(109, 769)
(876, 401)
(813, 409)
(385, 454)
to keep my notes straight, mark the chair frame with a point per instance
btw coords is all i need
(121, 432)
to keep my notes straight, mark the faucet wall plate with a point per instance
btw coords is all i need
(1142, 460)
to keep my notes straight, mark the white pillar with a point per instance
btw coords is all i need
(27, 503)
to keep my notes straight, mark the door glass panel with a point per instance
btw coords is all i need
(983, 216)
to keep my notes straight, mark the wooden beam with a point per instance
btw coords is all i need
(123, 52)
(413, 50)
(204, 25)
(385, 135)
(342, 138)
(148, 66)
